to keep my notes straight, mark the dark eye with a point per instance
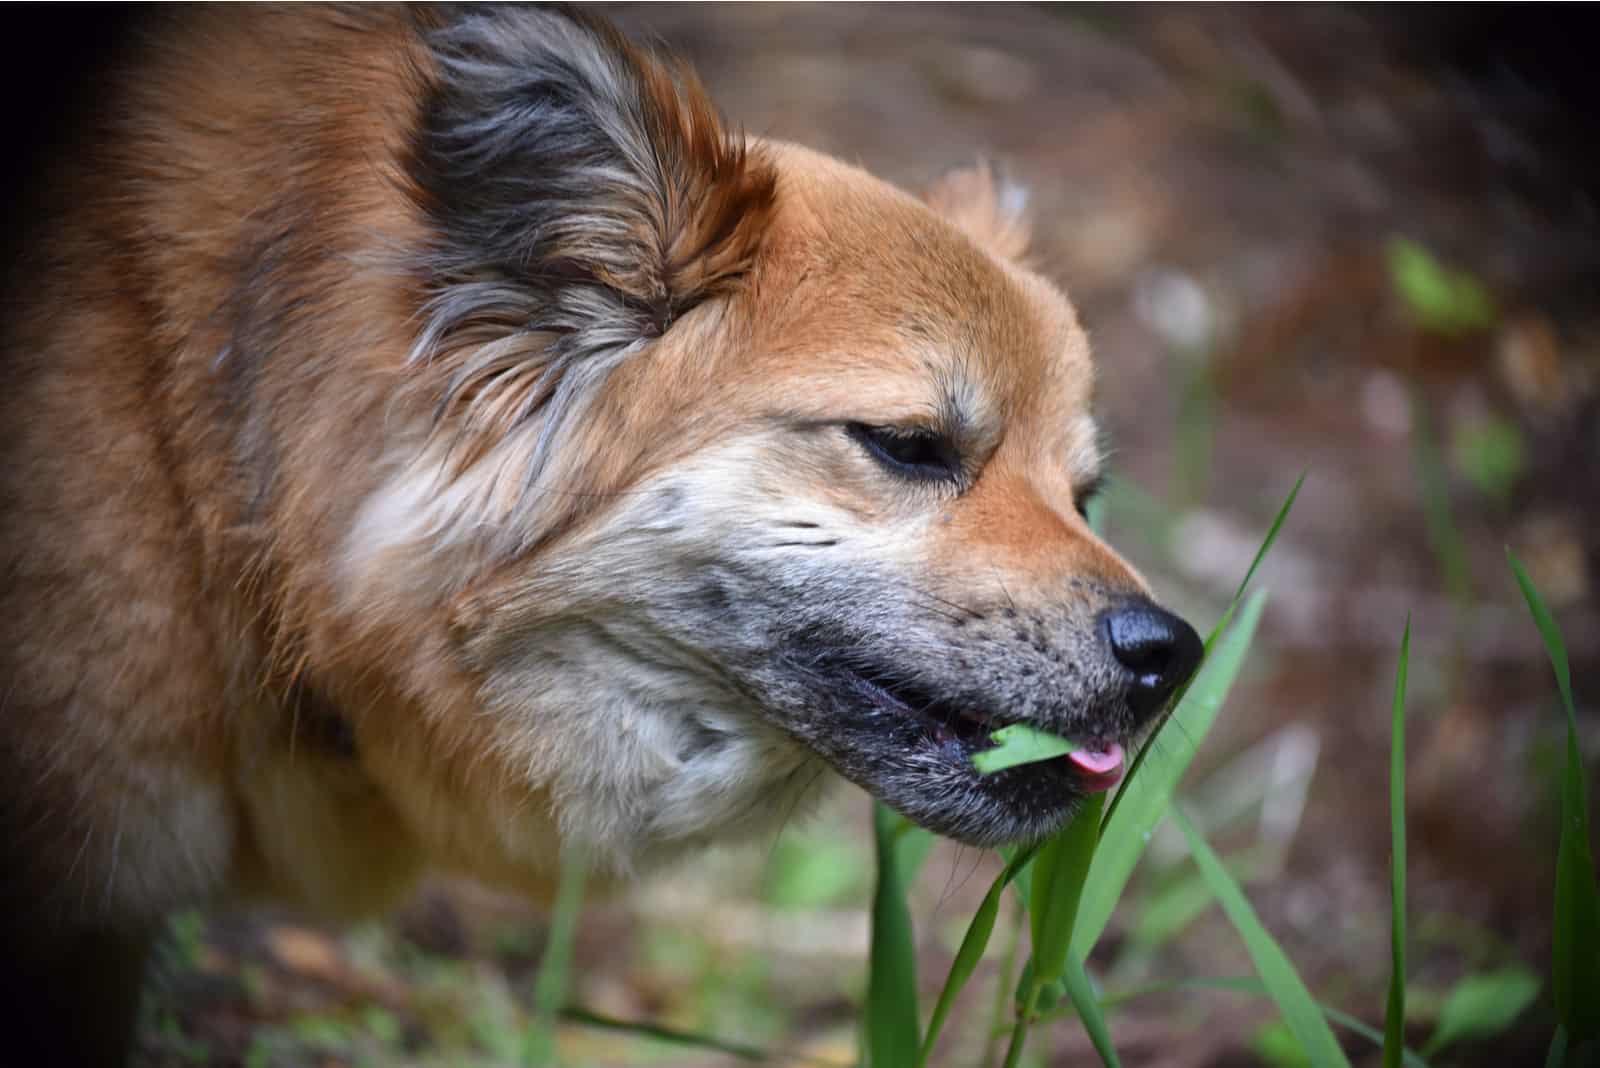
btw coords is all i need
(910, 452)
(1083, 496)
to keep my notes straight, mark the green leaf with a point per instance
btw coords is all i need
(1084, 999)
(972, 947)
(1019, 744)
(1394, 1020)
(1482, 1006)
(1491, 454)
(1300, 1011)
(1441, 300)
(1059, 871)
(1576, 954)
(1147, 794)
(891, 1016)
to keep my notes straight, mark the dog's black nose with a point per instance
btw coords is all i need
(1158, 649)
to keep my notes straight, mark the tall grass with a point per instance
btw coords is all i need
(1394, 1021)
(1576, 964)
(1068, 885)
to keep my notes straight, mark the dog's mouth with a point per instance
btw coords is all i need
(962, 729)
(911, 743)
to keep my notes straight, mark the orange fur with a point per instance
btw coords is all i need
(297, 608)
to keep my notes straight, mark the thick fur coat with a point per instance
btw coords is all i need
(433, 439)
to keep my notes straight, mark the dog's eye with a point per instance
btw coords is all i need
(1084, 495)
(911, 452)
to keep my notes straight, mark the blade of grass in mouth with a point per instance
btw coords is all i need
(1020, 744)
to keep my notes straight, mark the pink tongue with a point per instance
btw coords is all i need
(1104, 766)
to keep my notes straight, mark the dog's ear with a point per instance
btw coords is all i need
(579, 195)
(988, 207)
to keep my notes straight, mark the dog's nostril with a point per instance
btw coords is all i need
(1158, 648)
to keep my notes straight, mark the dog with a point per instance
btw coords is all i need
(433, 439)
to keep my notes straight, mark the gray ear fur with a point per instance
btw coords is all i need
(580, 194)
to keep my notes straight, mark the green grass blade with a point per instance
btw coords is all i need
(1550, 632)
(1444, 534)
(1059, 873)
(1408, 1058)
(1084, 999)
(1019, 744)
(973, 945)
(1261, 554)
(550, 986)
(1300, 1010)
(1557, 1055)
(891, 1016)
(1576, 954)
(1002, 997)
(1216, 631)
(1147, 794)
(1394, 1020)
(1023, 880)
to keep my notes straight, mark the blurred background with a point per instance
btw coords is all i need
(1352, 242)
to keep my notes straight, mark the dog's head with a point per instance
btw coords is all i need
(738, 456)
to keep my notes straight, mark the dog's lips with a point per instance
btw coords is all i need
(961, 725)
(963, 730)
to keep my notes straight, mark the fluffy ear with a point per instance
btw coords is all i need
(988, 207)
(579, 194)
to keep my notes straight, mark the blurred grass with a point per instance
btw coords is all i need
(1394, 1020)
(973, 945)
(550, 988)
(1300, 1011)
(890, 1016)
(1439, 298)
(1576, 964)
(1076, 880)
